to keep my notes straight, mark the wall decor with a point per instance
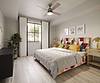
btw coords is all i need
(66, 31)
(80, 29)
(72, 30)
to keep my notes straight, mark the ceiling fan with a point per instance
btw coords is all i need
(51, 7)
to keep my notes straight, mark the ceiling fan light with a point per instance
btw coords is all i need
(49, 13)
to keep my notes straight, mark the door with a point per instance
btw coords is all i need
(34, 37)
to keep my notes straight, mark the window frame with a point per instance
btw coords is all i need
(34, 31)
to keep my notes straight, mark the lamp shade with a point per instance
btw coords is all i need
(97, 39)
(49, 13)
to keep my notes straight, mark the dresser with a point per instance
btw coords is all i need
(6, 63)
(93, 57)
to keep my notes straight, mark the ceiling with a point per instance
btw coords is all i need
(30, 8)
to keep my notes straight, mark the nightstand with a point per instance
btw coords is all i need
(91, 54)
(6, 63)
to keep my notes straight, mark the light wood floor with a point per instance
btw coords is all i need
(27, 70)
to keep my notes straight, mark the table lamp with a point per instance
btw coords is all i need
(97, 40)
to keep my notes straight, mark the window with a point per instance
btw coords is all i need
(34, 32)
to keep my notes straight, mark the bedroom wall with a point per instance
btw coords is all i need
(87, 13)
(1, 29)
(11, 27)
(1, 19)
(91, 21)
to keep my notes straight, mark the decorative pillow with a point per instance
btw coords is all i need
(61, 46)
(74, 47)
(66, 46)
(83, 46)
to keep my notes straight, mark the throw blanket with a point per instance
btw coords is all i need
(55, 60)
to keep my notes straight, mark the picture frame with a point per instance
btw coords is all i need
(80, 29)
(72, 30)
(66, 31)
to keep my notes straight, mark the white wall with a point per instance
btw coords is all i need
(1, 30)
(91, 20)
(87, 14)
(1, 19)
(11, 27)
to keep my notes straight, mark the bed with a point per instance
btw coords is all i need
(58, 60)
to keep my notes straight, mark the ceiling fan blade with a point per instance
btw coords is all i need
(55, 6)
(53, 1)
(41, 7)
(56, 13)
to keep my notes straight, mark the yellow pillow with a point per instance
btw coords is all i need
(74, 48)
(61, 46)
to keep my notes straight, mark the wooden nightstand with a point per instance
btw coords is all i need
(91, 54)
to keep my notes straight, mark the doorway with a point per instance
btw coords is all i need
(34, 37)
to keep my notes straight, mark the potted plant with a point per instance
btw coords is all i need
(14, 43)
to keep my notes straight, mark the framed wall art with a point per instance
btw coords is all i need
(66, 31)
(80, 29)
(72, 30)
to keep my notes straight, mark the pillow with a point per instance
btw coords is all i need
(83, 46)
(74, 48)
(66, 46)
(61, 46)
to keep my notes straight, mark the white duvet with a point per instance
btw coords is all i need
(78, 55)
(56, 59)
